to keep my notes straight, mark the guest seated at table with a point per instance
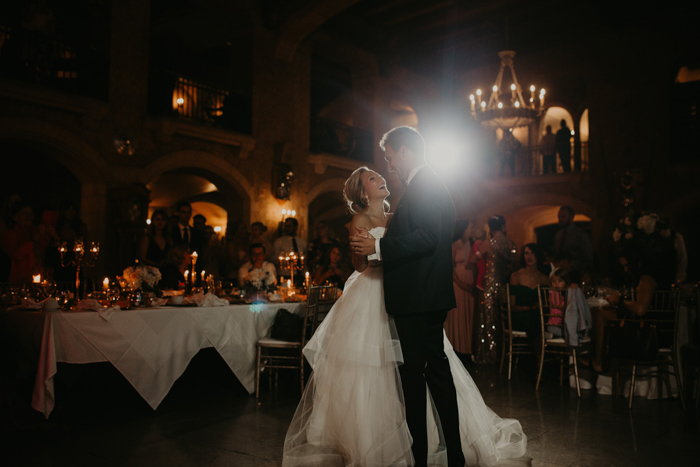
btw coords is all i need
(650, 272)
(155, 243)
(574, 311)
(332, 270)
(257, 264)
(176, 263)
(525, 305)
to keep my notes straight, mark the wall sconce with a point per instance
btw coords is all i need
(283, 184)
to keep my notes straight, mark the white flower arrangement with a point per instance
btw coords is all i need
(647, 223)
(138, 276)
(260, 279)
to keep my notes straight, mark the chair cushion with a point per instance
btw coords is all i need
(556, 341)
(270, 342)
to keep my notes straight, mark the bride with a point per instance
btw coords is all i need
(352, 411)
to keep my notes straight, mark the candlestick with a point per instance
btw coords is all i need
(203, 276)
(187, 275)
(307, 282)
(105, 284)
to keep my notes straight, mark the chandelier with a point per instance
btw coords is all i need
(507, 111)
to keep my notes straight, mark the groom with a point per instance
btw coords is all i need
(417, 255)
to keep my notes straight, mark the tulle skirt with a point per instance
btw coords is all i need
(352, 412)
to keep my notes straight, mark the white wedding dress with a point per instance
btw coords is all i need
(352, 412)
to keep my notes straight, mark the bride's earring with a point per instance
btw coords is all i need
(366, 201)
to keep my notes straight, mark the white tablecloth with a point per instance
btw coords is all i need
(151, 347)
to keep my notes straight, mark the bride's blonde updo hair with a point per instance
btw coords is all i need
(354, 193)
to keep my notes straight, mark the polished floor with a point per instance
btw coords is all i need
(208, 419)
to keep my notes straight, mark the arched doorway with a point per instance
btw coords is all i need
(35, 176)
(583, 131)
(553, 118)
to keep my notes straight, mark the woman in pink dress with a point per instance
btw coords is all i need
(458, 325)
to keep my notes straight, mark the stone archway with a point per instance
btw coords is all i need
(325, 203)
(524, 213)
(76, 155)
(210, 166)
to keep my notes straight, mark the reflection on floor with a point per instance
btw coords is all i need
(208, 419)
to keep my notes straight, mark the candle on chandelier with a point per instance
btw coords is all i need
(471, 98)
(36, 279)
(203, 275)
(532, 94)
(187, 275)
(512, 91)
(105, 284)
(542, 98)
(483, 106)
(478, 96)
(194, 258)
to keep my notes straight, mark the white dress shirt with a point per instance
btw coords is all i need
(408, 181)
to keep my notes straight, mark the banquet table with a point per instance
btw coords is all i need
(151, 347)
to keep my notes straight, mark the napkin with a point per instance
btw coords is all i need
(93, 305)
(27, 304)
(198, 299)
(212, 300)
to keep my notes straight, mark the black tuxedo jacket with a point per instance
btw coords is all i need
(196, 238)
(417, 249)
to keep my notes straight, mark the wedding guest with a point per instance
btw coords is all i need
(573, 312)
(257, 235)
(499, 253)
(177, 261)
(332, 269)
(573, 240)
(318, 247)
(199, 222)
(524, 302)
(183, 233)
(155, 243)
(257, 263)
(25, 244)
(460, 320)
(563, 143)
(286, 244)
(236, 248)
(648, 272)
(68, 227)
(549, 151)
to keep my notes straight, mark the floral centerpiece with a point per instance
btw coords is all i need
(260, 281)
(140, 277)
(643, 229)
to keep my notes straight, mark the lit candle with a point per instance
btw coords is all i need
(483, 106)
(542, 98)
(36, 279)
(307, 281)
(478, 96)
(283, 213)
(194, 258)
(294, 213)
(500, 105)
(532, 94)
(471, 98)
(495, 88)
(512, 91)
(203, 276)
(289, 284)
(187, 275)
(105, 283)
(517, 104)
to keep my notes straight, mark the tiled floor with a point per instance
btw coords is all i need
(208, 419)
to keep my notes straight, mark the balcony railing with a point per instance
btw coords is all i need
(341, 140)
(195, 100)
(39, 59)
(529, 161)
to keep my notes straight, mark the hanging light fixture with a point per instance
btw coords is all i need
(507, 110)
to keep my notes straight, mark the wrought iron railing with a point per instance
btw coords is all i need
(195, 100)
(335, 138)
(530, 161)
(36, 58)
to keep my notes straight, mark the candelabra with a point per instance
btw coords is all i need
(291, 261)
(79, 259)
